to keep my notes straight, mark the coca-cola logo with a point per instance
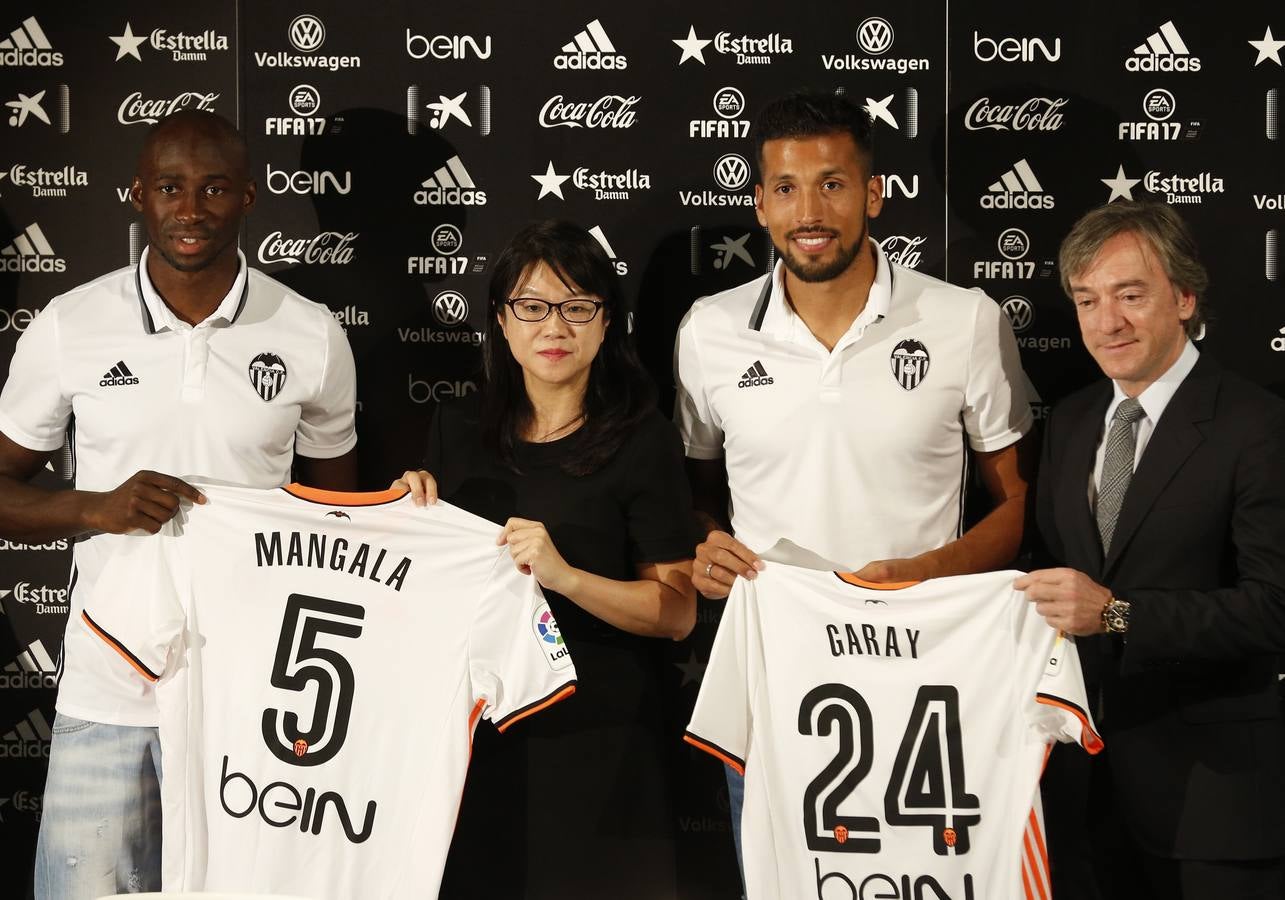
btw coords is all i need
(1035, 114)
(134, 110)
(903, 250)
(328, 248)
(610, 111)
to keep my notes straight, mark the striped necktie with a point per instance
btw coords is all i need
(1117, 468)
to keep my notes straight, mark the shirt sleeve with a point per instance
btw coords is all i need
(698, 426)
(658, 509)
(996, 409)
(519, 662)
(1060, 708)
(721, 721)
(34, 411)
(135, 607)
(326, 423)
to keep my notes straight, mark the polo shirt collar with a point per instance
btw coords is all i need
(774, 316)
(158, 317)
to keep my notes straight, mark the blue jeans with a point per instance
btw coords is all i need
(735, 802)
(100, 825)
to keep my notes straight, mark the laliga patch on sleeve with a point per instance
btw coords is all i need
(550, 638)
(1060, 645)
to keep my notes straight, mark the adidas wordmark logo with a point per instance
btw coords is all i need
(118, 376)
(591, 49)
(27, 45)
(1018, 188)
(29, 738)
(34, 668)
(755, 376)
(31, 252)
(1164, 51)
(450, 185)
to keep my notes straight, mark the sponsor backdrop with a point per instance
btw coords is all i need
(397, 150)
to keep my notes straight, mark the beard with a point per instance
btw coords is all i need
(813, 271)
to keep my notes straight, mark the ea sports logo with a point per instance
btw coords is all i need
(450, 308)
(874, 36)
(729, 103)
(1019, 312)
(1013, 243)
(304, 100)
(1158, 104)
(307, 33)
(732, 172)
(446, 239)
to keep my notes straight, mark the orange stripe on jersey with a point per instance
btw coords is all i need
(1035, 831)
(1091, 740)
(560, 694)
(850, 578)
(344, 498)
(716, 751)
(1037, 875)
(472, 720)
(1026, 882)
(119, 648)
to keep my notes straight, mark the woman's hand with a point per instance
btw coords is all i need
(534, 554)
(422, 486)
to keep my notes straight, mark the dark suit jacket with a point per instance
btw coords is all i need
(1190, 712)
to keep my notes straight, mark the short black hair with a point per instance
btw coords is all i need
(807, 113)
(620, 393)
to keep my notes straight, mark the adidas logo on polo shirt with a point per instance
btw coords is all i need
(1164, 51)
(755, 376)
(33, 668)
(118, 375)
(590, 49)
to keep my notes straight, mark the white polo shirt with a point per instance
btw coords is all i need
(857, 453)
(231, 399)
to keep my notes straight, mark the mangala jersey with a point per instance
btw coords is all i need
(321, 660)
(891, 736)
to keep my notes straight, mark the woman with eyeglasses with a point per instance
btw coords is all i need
(566, 448)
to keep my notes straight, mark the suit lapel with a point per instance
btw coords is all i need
(1173, 441)
(1084, 545)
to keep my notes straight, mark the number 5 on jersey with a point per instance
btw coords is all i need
(926, 786)
(300, 662)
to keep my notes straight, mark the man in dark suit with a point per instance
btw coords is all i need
(1162, 491)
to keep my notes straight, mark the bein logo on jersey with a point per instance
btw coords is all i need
(550, 637)
(267, 375)
(909, 363)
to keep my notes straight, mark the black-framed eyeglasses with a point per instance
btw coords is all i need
(575, 312)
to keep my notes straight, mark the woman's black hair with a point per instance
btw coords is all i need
(619, 394)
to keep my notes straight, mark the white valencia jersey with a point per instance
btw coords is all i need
(321, 660)
(891, 739)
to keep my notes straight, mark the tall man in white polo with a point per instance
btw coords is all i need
(829, 403)
(189, 364)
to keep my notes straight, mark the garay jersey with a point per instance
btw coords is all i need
(321, 661)
(891, 736)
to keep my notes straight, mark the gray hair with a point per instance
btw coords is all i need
(1161, 227)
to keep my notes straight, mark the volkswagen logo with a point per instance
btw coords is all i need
(732, 172)
(1013, 243)
(729, 103)
(874, 35)
(307, 33)
(1019, 312)
(304, 100)
(450, 308)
